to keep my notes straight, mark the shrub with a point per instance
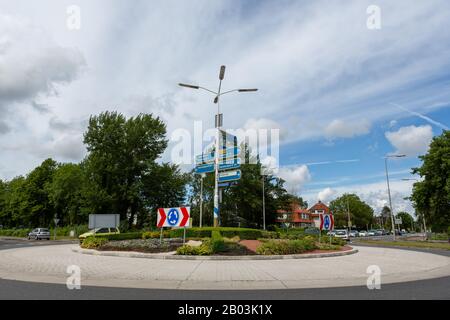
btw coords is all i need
(270, 235)
(217, 243)
(124, 236)
(93, 242)
(283, 247)
(334, 240)
(327, 246)
(243, 233)
(155, 234)
(203, 250)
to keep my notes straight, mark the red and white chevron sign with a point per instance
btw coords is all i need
(173, 217)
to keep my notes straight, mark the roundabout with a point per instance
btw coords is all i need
(48, 264)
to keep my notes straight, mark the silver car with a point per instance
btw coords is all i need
(39, 234)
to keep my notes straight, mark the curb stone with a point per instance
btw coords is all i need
(172, 256)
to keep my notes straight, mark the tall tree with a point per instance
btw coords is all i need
(361, 214)
(121, 151)
(431, 196)
(66, 193)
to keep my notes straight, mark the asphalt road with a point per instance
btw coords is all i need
(12, 290)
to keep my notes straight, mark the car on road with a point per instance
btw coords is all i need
(100, 232)
(354, 233)
(342, 234)
(363, 233)
(39, 234)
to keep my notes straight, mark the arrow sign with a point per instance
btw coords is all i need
(231, 175)
(225, 155)
(174, 217)
(208, 168)
(56, 221)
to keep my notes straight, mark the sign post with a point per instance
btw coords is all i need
(326, 223)
(56, 220)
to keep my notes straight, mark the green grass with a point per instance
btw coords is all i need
(409, 244)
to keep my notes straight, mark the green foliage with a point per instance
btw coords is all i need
(327, 246)
(431, 196)
(285, 247)
(361, 214)
(217, 242)
(19, 233)
(155, 235)
(334, 240)
(243, 233)
(93, 242)
(123, 236)
(202, 250)
(241, 203)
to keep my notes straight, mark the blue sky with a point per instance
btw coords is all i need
(336, 89)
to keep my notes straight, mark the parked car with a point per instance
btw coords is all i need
(371, 233)
(354, 233)
(39, 234)
(341, 233)
(99, 232)
(363, 233)
(331, 233)
(378, 232)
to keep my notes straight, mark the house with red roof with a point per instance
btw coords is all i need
(298, 217)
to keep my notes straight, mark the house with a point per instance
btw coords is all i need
(316, 210)
(298, 217)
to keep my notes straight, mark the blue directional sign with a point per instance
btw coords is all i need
(225, 155)
(228, 176)
(210, 167)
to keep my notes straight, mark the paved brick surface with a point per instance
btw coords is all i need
(49, 264)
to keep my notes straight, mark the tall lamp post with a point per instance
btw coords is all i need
(389, 189)
(218, 123)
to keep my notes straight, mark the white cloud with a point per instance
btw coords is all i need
(295, 177)
(347, 128)
(411, 140)
(326, 195)
(30, 63)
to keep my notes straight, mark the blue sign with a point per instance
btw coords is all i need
(326, 222)
(173, 216)
(228, 176)
(224, 153)
(208, 168)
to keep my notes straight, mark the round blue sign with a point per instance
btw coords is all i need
(173, 216)
(327, 222)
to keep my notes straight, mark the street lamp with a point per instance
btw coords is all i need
(389, 189)
(218, 123)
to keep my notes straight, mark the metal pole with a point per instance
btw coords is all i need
(216, 181)
(201, 200)
(264, 204)
(390, 200)
(184, 236)
(161, 236)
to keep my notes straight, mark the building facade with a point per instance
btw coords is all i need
(298, 217)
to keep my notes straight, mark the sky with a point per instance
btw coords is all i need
(343, 94)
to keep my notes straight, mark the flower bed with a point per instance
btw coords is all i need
(141, 245)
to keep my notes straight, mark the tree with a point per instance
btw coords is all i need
(407, 220)
(66, 193)
(431, 196)
(121, 152)
(242, 202)
(361, 214)
(39, 211)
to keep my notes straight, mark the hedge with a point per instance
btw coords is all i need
(243, 233)
(283, 247)
(120, 236)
